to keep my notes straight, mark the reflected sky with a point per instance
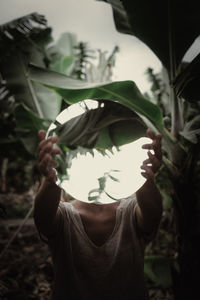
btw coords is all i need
(119, 171)
(124, 166)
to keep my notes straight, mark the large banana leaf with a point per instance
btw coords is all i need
(103, 127)
(120, 16)
(151, 21)
(187, 83)
(124, 92)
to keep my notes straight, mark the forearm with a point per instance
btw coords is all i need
(46, 205)
(150, 203)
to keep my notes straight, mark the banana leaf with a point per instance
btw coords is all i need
(151, 22)
(187, 82)
(25, 38)
(27, 126)
(191, 130)
(123, 92)
(103, 127)
(62, 54)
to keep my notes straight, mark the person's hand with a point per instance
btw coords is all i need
(46, 151)
(153, 163)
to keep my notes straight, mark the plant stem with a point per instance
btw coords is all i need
(177, 116)
(31, 90)
(176, 112)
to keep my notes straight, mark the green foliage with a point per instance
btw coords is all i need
(155, 29)
(26, 39)
(186, 83)
(25, 45)
(82, 56)
(159, 93)
(88, 129)
(191, 130)
(73, 91)
(27, 126)
(158, 271)
(62, 55)
(26, 106)
(95, 194)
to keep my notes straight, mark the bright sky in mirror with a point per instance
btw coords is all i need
(86, 170)
(123, 165)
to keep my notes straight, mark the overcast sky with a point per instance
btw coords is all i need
(92, 22)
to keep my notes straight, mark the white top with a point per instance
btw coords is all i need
(84, 271)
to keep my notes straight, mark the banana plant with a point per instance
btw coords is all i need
(125, 93)
(26, 106)
(25, 39)
(169, 28)
(29, 40)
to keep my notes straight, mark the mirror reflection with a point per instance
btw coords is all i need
(87, 171)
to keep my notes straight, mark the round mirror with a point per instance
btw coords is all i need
(99, 162)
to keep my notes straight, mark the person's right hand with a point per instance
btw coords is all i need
(46, 151)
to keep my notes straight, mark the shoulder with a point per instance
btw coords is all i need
(59, 227)
(128, 203)
(127, 207)
(61, 220)
(64, 208)
(132, 212)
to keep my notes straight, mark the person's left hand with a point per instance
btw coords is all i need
(153, 163)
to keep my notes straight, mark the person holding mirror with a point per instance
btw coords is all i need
(98, 249)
